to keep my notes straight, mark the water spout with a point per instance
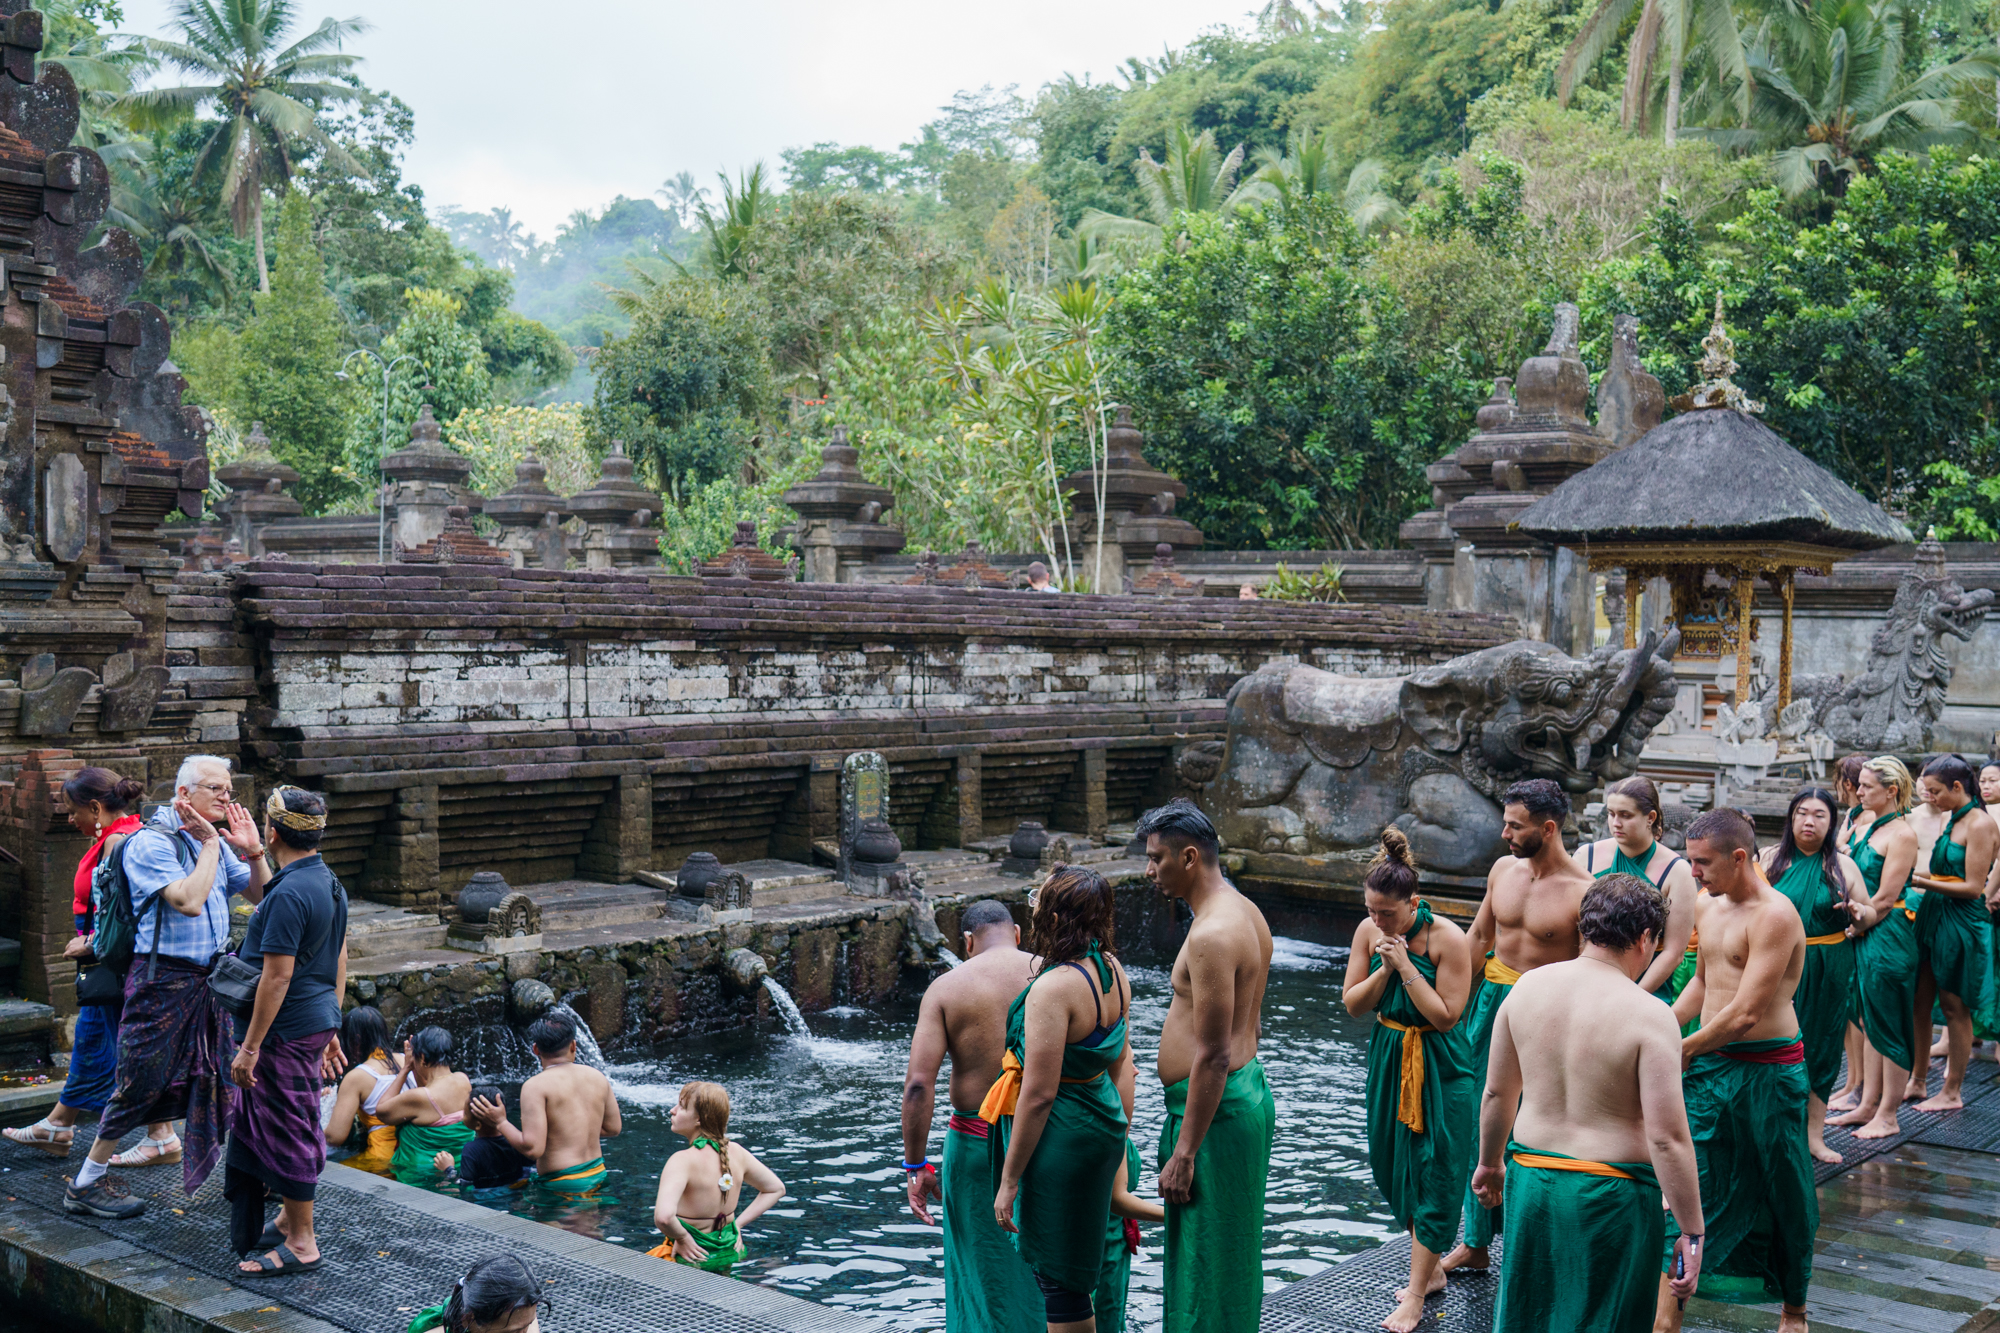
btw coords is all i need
(948, 958)
(795, 1022)
(587, 1049)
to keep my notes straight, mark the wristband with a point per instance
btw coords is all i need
(923, 1165)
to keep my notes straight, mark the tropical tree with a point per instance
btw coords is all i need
(172, 222)
(744, 204)
(1685, 28)
(685, 199)
(1309, 167)
(265, 97)
(1197, 177)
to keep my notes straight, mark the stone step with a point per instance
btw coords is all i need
(374, 930)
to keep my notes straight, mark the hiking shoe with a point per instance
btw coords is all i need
(106, 1198)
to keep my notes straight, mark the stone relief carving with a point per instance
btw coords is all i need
(1316, 763)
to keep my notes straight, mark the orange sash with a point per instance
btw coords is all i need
(1005, 1094)
(1834, 938)
(1499, 973)
(1410, 1096)
(1571, 1164)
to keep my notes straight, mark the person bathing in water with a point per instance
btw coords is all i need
(567, 1111)
(701, 1185)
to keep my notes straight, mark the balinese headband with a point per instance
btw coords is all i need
(275, 811)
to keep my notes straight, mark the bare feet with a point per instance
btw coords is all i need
(1881, 1127)
(1791, 1321)
(1436, 1286)
(1915, 1090)
(1822, 1153)
(1938, 1048)
(1845, 1101)
(1406, 1316)
(1860, 1115)
(1473, 1261)
(1946, 1100)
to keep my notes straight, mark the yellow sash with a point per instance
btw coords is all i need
(1908, 910)
(1571, 1164)
(1834, 938)
(1410, 1097)
(1499, 973)
(1005, 1094)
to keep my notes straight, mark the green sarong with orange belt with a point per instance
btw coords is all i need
(1955, 935)
(575, 1180)
(1581, 1237)
(1215, 1242)
(987, 1288)
(1421, 1108)
(1826, 984)
(1065, 1192)
(1489, 988)
(1885, 962)
(721, 1249)
(1746, 1106)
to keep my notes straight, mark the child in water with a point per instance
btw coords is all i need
(701, 1185)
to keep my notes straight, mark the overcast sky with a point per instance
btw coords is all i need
(546, 108)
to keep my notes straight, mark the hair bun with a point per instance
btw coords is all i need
(128, 791)
(1396, 847)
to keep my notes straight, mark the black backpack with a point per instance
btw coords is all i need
(116, 922)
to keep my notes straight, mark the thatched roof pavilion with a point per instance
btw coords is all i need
(1713, 489)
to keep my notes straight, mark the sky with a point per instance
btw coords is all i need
(547, 108)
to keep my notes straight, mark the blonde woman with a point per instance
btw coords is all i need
(1884, 850)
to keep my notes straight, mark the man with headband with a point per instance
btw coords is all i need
(298, 942)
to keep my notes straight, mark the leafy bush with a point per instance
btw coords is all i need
(1319, 585)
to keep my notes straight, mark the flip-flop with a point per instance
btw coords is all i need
(288, 1263)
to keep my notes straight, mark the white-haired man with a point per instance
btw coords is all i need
(174, 1041)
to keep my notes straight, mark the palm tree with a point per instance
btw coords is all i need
(1831, 94)
(174, 223)
(743, 205)
(1683, 25)
(1197, 177)
(264, 98)
(1308, 167)
(684, 198)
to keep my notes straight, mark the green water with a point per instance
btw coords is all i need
(823, 1113)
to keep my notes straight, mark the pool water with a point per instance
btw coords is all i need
(823, 1112)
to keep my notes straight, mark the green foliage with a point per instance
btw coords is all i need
(286, 361)
(498, 438)
(703, 525)
(446, 368)
(1319, 585)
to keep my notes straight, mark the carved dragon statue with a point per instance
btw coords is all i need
(1316, 763)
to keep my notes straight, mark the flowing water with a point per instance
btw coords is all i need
(781, 1000)
(820, 1106)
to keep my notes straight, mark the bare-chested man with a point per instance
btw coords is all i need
(567, 1111)
(1527, 920)
(1745, 1084)
(1215, 1150)
(988, 1287)
(1593, 1063)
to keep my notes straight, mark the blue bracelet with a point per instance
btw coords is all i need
(919, 1166)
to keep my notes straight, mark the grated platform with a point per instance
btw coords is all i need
(391, 1249)
(1356, 1293)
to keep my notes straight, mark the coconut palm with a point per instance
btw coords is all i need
(684, 198)
(173, 220)
(744, 204)
(1686, 28)
(264, 96)
(1830, 94)
(1309, 167)
(1197, 177)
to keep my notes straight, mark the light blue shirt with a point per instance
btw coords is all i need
(151, 863)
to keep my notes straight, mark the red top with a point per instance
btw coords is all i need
(123, 824)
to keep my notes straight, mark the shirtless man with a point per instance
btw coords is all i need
(1215, 1149)
(1593, 1063)
(1745, 1084)
(1527, 920)
(988, 1287)
(567, 1111)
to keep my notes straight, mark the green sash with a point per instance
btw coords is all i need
(987, 1289)
(1885, 962)
(1215, 1244)
(1827, 982)
(1481, 1222)
(720, 1249)
(1421, 1175)
(1580, 1247)
(1066, 1190)
(1109, 1299)
(1759, 1206)
(417, 1145)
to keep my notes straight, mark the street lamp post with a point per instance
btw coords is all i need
(382, 486)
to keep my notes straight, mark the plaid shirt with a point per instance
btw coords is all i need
(153, 861)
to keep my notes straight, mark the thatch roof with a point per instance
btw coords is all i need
(1712, 474)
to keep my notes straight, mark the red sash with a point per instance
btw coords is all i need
(968, 1124)
(1794, 1054)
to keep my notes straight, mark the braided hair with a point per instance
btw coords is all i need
(710, 1104)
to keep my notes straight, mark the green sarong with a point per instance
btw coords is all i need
(1760, 1211)
(1065, 1192)
(1108, 1301)
(987, 1288)
(720, 1249)
(1481, 1223)
(1420, 1172)
(428, 1318)
(1827, 982)
(1885, 962)
(1215, 1244)
(1580, 1247)
(418, 1145)
(1955, 935)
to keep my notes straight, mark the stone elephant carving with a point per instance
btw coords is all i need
(1317, 763)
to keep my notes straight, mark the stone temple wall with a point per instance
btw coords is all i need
(552, 724)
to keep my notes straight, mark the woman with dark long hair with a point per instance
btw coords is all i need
(430, 1116)
(1954, 931)
(1884, 851)
(1632, 808)
(1063, 1101)
(499, 1295)
(1808, 867)
(104, 808)
(1413, 971)
(370, 1076)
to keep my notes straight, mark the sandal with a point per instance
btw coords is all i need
(287, 1264)
(148, 1152)
(52, 1139)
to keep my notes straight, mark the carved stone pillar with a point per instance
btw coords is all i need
(427, 479)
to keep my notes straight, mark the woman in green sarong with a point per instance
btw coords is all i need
(429, 1114)
(1063, 1101)
(1954, 932)
(1884, 851)
(1823, 884)
(1846, 789)
(701, 1185)
(1632, 808)
(498, 1295)
(1413, 970)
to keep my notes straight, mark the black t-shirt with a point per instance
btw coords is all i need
(302, 916)
(490, 1162)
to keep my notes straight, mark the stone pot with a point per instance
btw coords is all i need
(481, 894)
(875, 843)
(696, 874)
(1028, 840)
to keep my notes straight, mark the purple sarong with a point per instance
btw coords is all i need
(171, 1040)
(274, 1133)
